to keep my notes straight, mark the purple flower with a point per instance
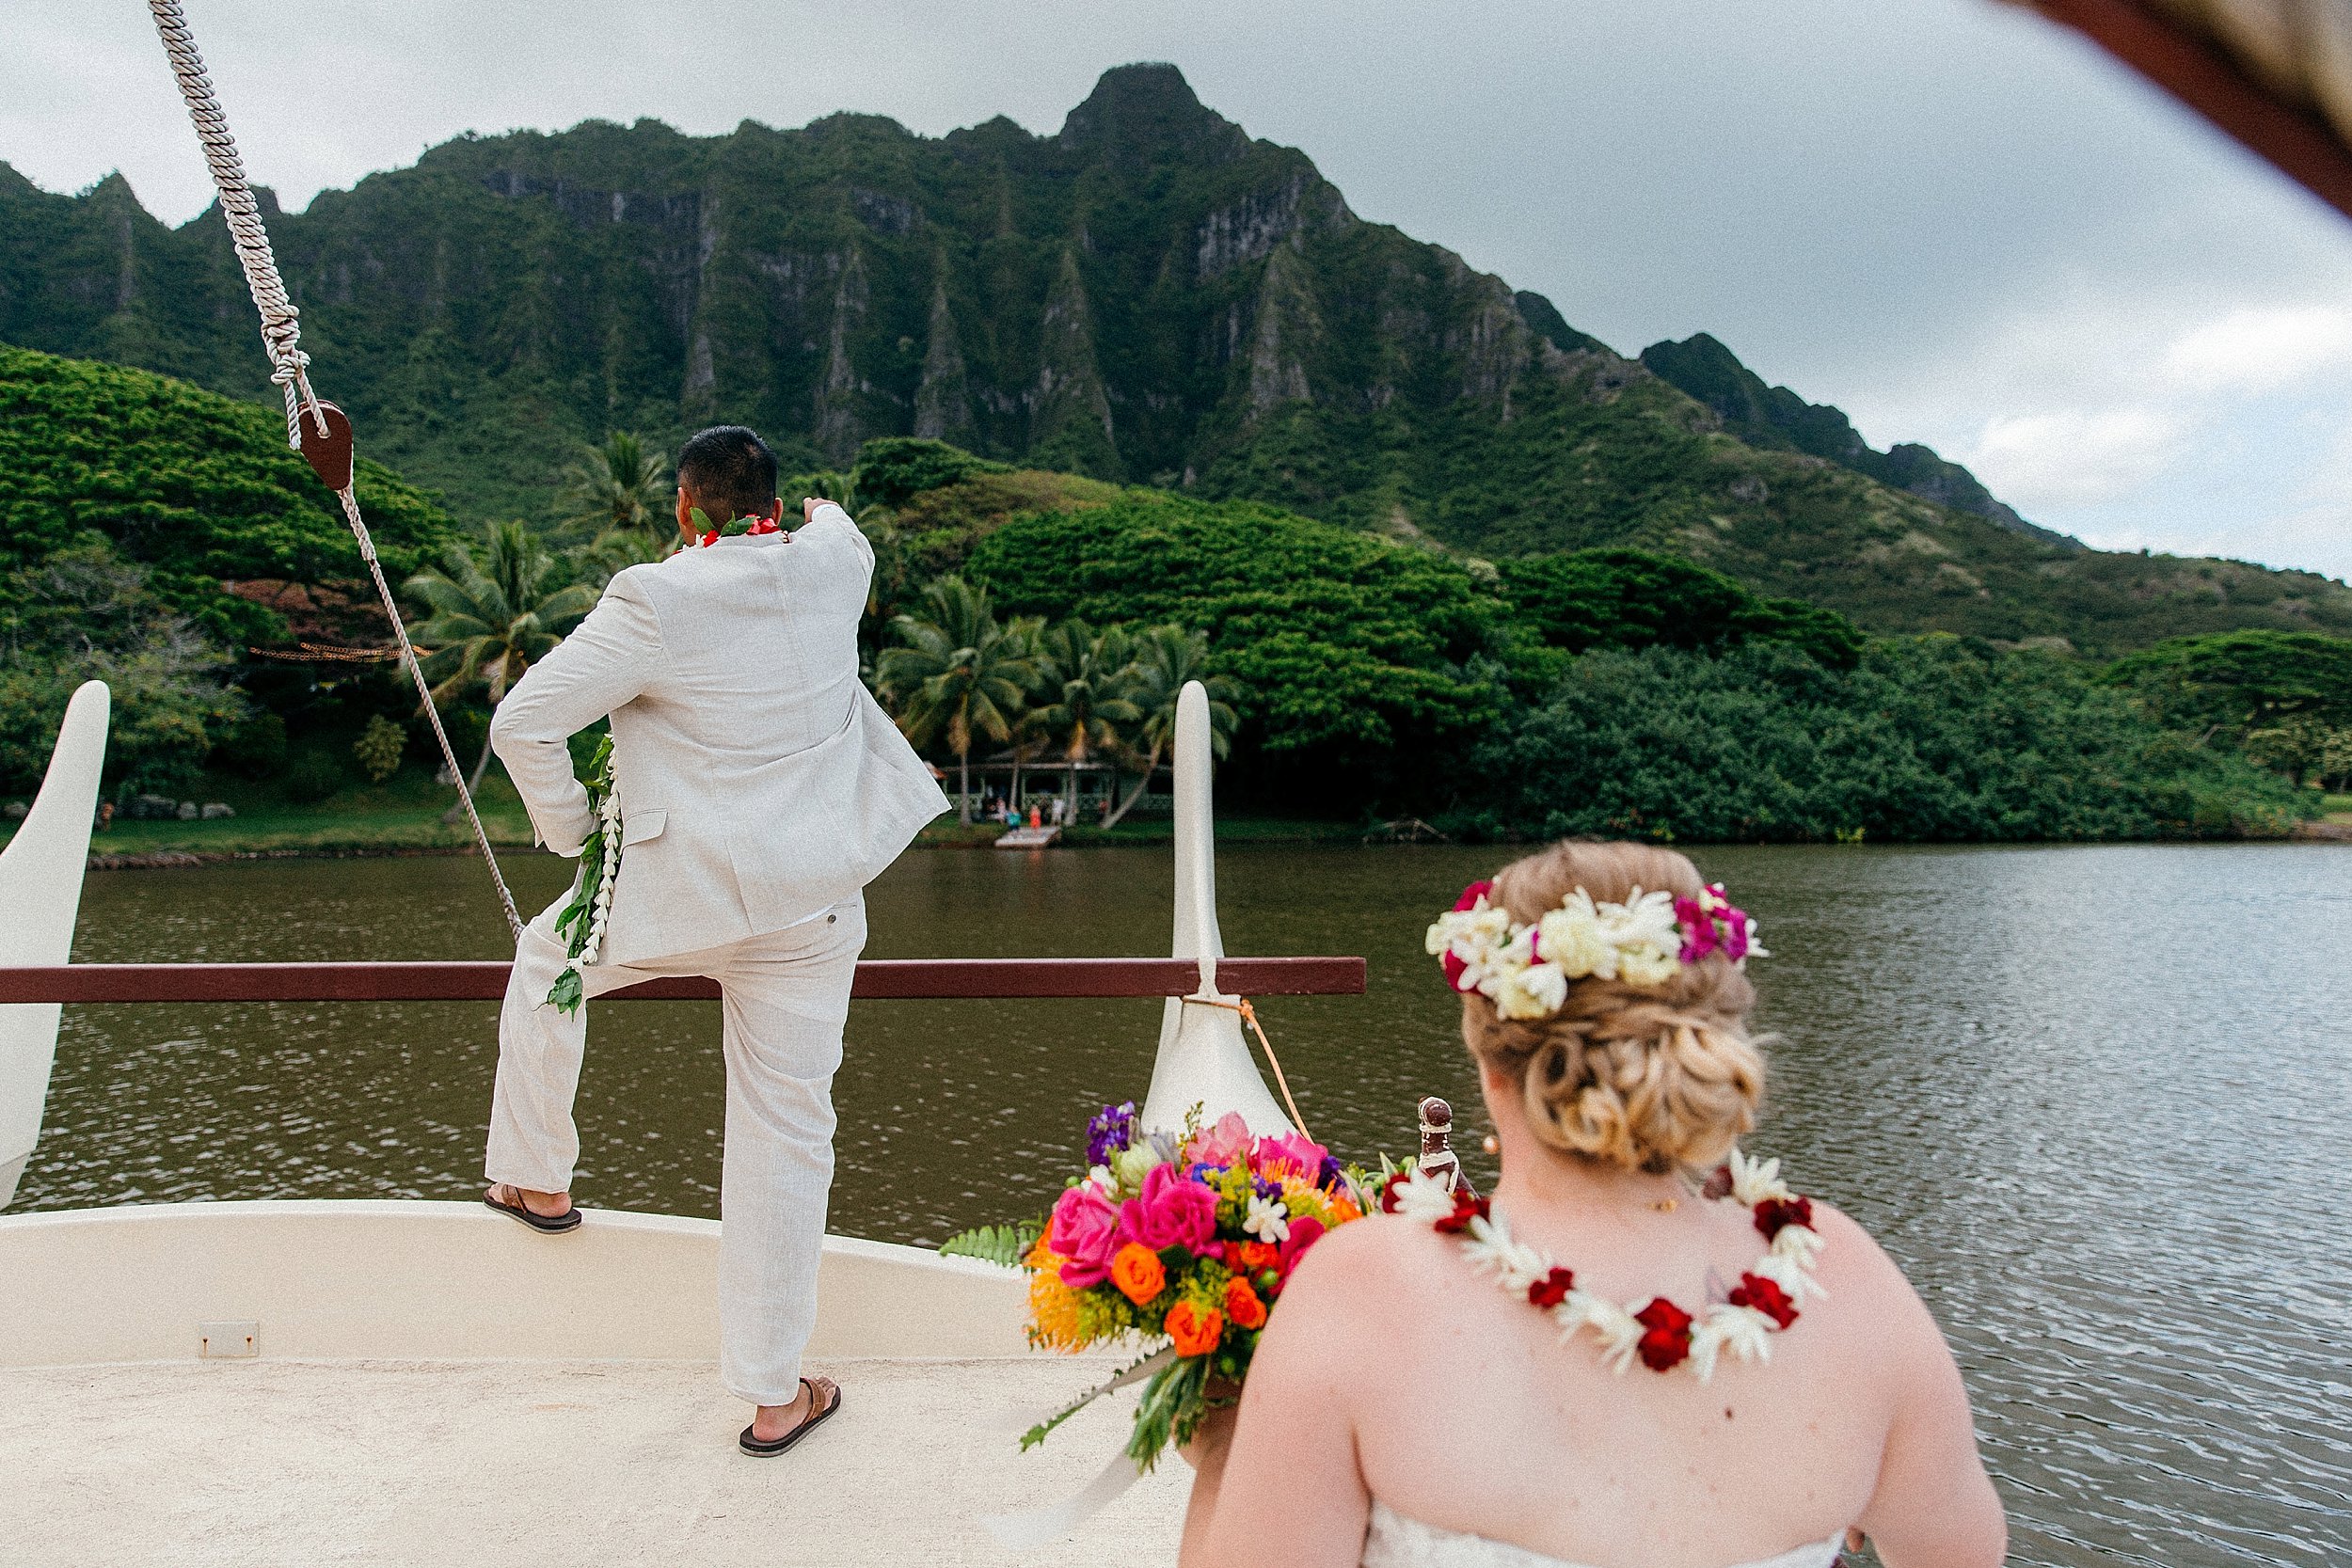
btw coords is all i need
(1331, 1173)
(1735, 934)
(1110, 1133)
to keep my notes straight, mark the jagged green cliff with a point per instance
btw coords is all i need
(1148, 295)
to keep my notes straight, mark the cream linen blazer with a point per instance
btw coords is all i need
(759, 781)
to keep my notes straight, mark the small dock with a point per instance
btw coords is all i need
(1028, 838)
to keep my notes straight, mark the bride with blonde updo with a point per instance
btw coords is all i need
(1456, 1387)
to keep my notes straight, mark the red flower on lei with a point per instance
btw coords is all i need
(1667, 1330)
(1554, 1288)
(1666, 1333)
(1765, 1296)
(1466, 1209)
(1775, 1215)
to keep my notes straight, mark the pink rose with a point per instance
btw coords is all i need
(1172, 1212)
(1224, 1144)
(1293, 1151)
(1086, 1231)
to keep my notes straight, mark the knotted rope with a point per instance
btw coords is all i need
(281, 335)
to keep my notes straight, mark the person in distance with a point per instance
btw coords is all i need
(1645, 1351)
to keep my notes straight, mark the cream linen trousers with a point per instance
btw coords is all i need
(786, 997)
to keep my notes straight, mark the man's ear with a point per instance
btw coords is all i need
(776, 511)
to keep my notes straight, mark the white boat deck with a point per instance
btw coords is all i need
(430, 1384)
(562, 1464)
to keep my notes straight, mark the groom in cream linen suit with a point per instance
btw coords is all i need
(760, 789)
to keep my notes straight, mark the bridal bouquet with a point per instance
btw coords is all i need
(1182, 1238)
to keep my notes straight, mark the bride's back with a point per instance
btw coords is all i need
(1430, 1371)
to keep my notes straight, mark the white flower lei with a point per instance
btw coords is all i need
(1525, 970)
(601, 914)
(1722, 1328)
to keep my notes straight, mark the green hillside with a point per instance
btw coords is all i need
(1149, 296)
(196, 489)
(152, 534)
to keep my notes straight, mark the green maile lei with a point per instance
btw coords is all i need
(581, 923)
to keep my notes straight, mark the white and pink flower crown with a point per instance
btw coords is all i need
(1525, 970)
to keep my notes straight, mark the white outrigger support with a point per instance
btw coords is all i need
(41, 883)
(1203, 1060)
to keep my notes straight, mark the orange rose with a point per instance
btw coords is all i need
(1258, 1255)
(1194, 1331)
(1136, 1270)
(1242, 1304)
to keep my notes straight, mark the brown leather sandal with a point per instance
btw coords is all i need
(770, 1446)
(547, 1225)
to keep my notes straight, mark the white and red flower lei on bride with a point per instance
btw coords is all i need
(1660, 1333)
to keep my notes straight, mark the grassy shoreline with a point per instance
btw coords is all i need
(404, 818)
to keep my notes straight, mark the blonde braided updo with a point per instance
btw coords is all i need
(1652, 1079)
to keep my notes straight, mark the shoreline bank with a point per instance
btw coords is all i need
(404, 819)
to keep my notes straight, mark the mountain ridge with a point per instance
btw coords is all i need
(1147, 295)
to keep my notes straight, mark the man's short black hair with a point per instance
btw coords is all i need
(728, 471)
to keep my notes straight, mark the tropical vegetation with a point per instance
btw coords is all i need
(1049, 620)
(493, 610)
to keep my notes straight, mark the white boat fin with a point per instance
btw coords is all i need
(41, 886)
(1203, 1059)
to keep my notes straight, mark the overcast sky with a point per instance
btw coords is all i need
(1956, 222)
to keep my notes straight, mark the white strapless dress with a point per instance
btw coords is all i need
(1395, 1541)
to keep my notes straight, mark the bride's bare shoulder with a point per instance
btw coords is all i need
(1376, 1259)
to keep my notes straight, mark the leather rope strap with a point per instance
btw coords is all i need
(317, 430)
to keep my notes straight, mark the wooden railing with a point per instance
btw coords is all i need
(878, 979)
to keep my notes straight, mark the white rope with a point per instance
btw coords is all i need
(281, 334)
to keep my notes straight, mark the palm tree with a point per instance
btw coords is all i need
(496, 607)
(957, 674)
(619, 488)
(1084, 675)
(1167, 658)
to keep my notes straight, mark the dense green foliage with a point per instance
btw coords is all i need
(891, 470)
(84, 613)
(1629, 599)
(1149, 295)
(2285, 697)
(127, 502)
(1932, 739)
(2245, 680)
(193, 487)
(1347, 648)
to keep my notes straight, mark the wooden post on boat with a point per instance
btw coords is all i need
(1437, 1158)
(41, 885)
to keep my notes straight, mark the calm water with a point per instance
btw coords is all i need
(2098, 1102)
